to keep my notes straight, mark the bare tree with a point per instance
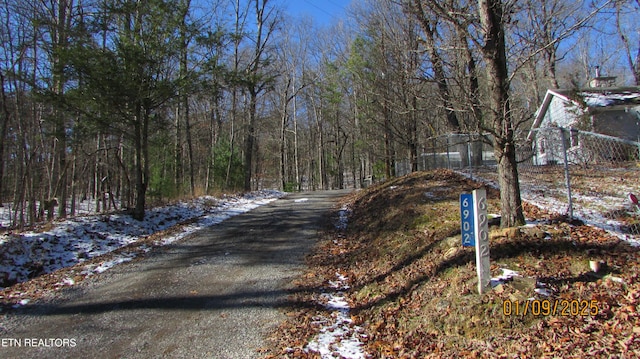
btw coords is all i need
(257, 81)
(428, 24)
(185, 90)
(497, 114)
(491, 13)
(289, 59)
(633, 61)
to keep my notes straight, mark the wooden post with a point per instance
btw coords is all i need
(481, 234)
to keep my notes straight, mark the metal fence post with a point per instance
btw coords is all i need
(567, 174)
(434, 156)
(448, 158)
(469, 152)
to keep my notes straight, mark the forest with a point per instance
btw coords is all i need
(128, 103)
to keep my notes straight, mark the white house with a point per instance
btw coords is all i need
(610, 112)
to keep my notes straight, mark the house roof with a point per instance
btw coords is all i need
(590, 99)
(622, 97)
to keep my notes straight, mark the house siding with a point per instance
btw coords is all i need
(612, 113)
(561, 113)
(621, 124)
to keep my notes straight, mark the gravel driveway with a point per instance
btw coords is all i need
(215, 294)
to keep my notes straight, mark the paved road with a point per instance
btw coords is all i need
(213, 295)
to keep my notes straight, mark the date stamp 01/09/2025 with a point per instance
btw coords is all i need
(550, 307)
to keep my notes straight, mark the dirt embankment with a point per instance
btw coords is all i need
(413, 287)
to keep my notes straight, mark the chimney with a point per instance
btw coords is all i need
(602, 81)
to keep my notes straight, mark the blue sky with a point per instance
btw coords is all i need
(322, 11)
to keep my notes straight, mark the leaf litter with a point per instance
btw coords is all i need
(338, 336)
(412, 286)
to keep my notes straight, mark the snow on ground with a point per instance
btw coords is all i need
(590, 209)
(75, 240)
(508, 274)
(592, 216)
(338, 337)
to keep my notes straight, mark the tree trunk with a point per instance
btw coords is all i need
(73, 185)
(474, 102)
(187, 128)
(324, 179)
(184, 98)
(388, 151)
(283, 148)
(4, 125)
(141, 144)
(234, 91)
(96, 175)
(250, 141)
(438, 65)
(256, 86)
(232, 136)
(295, 138)
(494, 54)
(177, 175)
(413, 144)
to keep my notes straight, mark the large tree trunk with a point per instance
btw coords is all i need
(414, 143)
(494, 54)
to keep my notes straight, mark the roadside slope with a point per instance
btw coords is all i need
(413, 287)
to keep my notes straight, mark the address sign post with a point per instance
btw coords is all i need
(475, 232)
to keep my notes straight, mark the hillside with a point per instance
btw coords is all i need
(411, 287)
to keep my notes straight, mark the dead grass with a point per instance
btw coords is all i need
(413, 287)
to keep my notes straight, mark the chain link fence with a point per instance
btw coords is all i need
(453, 151)
(584, 175)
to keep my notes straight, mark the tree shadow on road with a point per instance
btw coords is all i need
(190, 302)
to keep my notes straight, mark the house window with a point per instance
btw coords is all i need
(574, 137)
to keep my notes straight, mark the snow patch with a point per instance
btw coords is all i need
(339, 337)
(76, 240)
(543, 292)
(506, 275)
(608, 99)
